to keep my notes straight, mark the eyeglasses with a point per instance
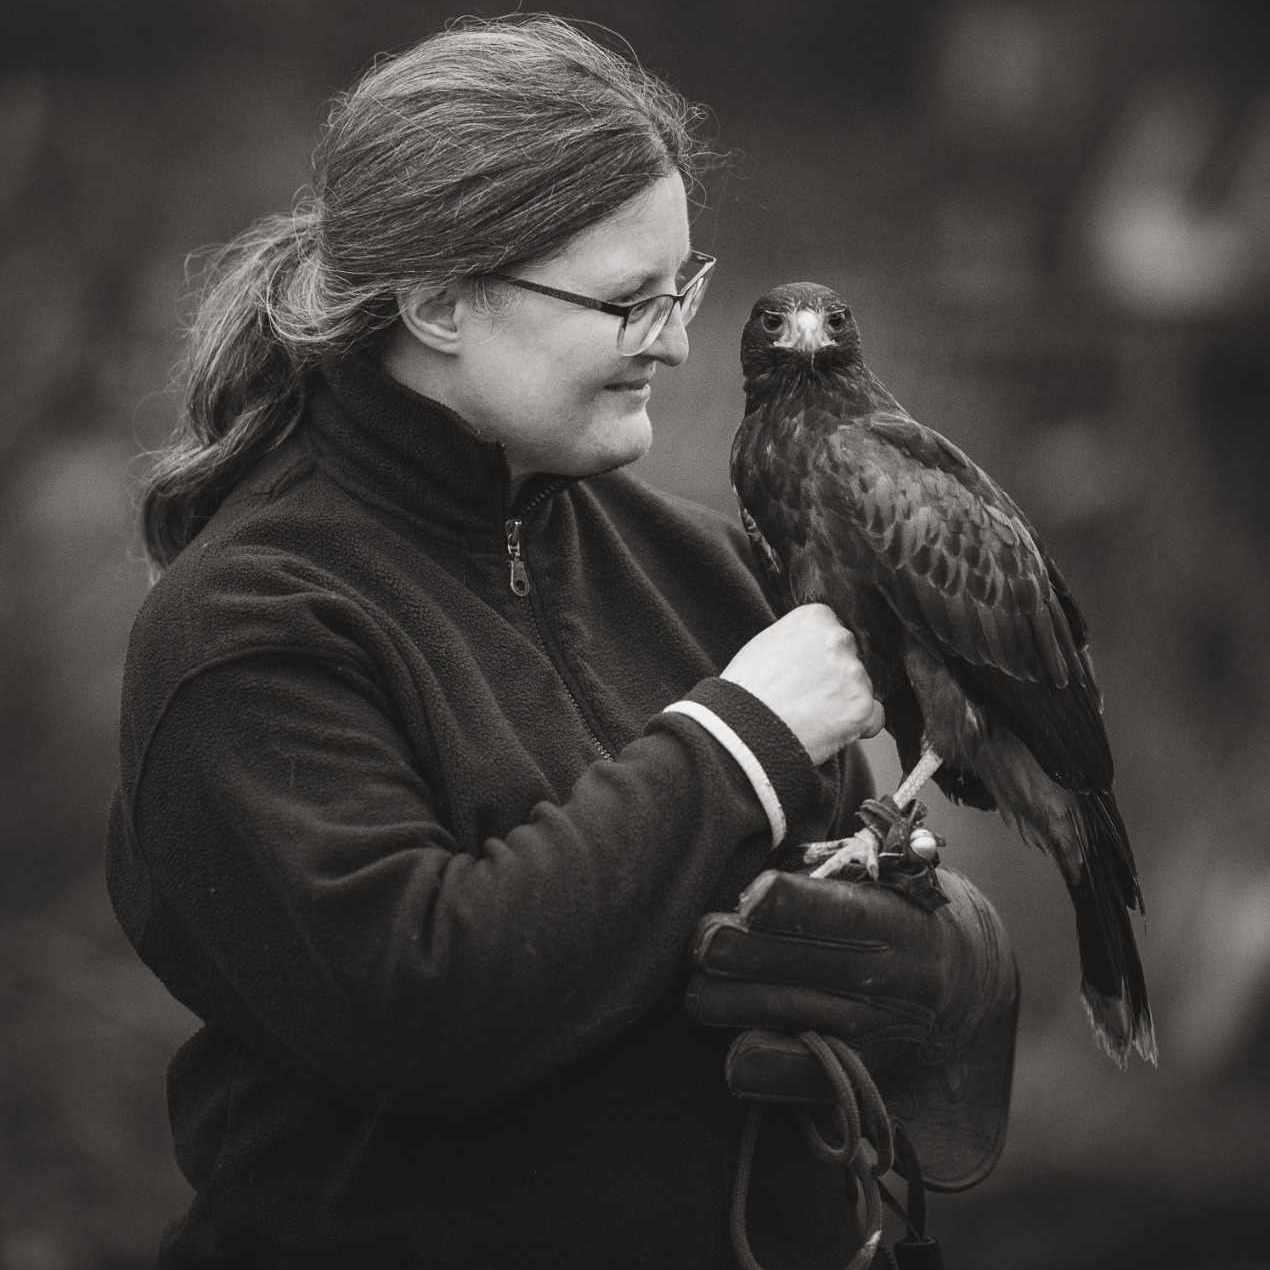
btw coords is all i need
(643, 321)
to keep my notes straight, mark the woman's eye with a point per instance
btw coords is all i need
(772, 322)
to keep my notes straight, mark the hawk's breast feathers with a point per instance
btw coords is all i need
(880, 502)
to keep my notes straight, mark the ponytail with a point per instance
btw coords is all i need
(244, 385)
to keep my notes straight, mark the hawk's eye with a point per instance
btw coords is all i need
(837, 321)
(772, 322)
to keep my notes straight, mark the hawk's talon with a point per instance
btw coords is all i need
(897, 838)
(859, 852)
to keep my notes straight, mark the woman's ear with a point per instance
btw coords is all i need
(431, 317)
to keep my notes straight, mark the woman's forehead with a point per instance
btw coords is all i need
(644, 240)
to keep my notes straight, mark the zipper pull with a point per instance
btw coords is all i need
(518, 575)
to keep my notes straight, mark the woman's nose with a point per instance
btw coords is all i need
(671, 344)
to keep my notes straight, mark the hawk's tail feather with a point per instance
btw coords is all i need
(1113, 985)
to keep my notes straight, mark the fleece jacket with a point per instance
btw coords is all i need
(403, 819)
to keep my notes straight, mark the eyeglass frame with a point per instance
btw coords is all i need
(624, 311)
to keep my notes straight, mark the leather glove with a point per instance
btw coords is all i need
(928, 999)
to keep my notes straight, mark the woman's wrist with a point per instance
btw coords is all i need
(779, 769)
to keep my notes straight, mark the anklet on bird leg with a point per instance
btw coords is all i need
(862, 848)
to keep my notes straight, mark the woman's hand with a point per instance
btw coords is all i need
(804, 668)
(929, 1000)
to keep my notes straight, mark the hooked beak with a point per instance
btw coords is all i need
(805, 331)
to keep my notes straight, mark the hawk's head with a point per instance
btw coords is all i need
(800, 326)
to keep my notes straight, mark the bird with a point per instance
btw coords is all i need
(967, 629)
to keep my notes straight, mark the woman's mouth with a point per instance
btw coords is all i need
(637, 387)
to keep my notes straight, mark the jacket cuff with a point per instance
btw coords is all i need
(771, 756)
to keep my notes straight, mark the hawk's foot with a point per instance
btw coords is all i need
(857, 854)
(893, 847)
(905, 841)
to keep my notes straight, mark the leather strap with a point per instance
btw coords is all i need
(862, 1118)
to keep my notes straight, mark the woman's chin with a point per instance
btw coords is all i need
(611, 443)
(617, 441)
(633, 440)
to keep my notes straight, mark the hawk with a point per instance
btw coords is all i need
(969, 632)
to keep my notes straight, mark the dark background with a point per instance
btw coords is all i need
(1053, 222)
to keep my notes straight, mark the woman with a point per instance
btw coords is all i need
(428, 768)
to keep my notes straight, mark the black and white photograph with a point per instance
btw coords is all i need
(632, 637)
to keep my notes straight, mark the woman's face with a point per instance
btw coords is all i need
(544, 377)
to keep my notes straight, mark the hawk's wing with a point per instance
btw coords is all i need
(898, 505)
(771, 574)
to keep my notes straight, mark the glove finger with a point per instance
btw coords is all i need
(728, 950)
(773, 1067)
(834, 936)
(831, 909)
(860, 1020)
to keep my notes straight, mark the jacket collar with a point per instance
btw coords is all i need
(400, 448)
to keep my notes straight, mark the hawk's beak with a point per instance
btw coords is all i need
(805, 331)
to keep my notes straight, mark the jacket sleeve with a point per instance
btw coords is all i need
(307, 896)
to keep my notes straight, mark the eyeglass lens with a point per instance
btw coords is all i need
(645, 322)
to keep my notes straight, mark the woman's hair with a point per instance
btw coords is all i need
(487, 145)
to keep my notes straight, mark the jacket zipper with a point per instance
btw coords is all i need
(513, 527)
(518, 580)
(518, 577)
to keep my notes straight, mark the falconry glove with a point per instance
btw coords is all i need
(928, 999)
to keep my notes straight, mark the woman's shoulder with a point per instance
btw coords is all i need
(263, 575)
(691, 552)
(662, 514)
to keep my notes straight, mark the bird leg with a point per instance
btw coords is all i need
(885, 826)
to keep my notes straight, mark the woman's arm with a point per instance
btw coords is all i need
(325, 912)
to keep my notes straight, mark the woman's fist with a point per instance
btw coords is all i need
(805, 668)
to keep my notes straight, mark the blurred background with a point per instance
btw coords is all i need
(1053, 223)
